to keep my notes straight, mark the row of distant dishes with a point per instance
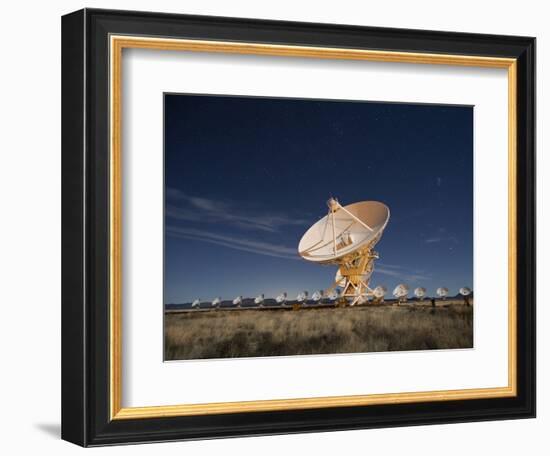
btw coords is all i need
(400, 292)
(281, 299)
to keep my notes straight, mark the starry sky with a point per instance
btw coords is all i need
(246, 176)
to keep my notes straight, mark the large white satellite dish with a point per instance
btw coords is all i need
(346, 237)
(238, 301)
(420, 293)
(302, 297)
(216, 302)
(442, 292)
(196, 304)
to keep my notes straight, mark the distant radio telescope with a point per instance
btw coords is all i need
(259, 300)
(346, 237)
(238, 301)
(420, 293)
(216, 302)
(302, 297)
(400, 292)
(196, 304)
(281, 299)
(442, 292)
(317, 296)
(333, 295)
(466, 292)
(379, 292)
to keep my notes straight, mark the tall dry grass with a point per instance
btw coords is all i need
(231, 334)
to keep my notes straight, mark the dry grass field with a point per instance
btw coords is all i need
(232, 334)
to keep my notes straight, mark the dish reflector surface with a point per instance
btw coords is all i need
(420, 292)
(317, 296)
(380, 291)
(401, 291)
(339, 233)
(442, 292)
(465, 291)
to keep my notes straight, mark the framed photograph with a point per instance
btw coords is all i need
(277, 227)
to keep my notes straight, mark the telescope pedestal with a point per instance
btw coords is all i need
(356, 277)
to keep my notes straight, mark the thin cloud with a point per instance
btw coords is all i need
(205, 210)
(433, 240)
(275, 250)
(436, 240)
(401, 275)
(236, 243)
(389, 265)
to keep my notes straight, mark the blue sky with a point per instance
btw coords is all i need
(245, 177)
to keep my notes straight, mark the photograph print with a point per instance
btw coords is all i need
(308, 227)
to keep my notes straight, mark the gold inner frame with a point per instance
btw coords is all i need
(117, 44)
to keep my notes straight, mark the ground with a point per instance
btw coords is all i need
(255, 333)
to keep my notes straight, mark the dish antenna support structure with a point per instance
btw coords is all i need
(346, 237)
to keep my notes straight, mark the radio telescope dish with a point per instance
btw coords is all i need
(333, 295)
(196, 304)
(281, 299)
(238, 301)
(465, 291)
(302, 296)
(420, 293)
(259, 300)
(442, 292)
(379, 292)
(317, 296)
(346, 237)
(216, 302)
(400, 292)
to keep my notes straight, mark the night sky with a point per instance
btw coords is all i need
(245, 177)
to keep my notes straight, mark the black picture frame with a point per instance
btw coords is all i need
(85, 224)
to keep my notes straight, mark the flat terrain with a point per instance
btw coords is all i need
(246, 333)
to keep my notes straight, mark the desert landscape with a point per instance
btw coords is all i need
(280, 235)
(254, 332)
